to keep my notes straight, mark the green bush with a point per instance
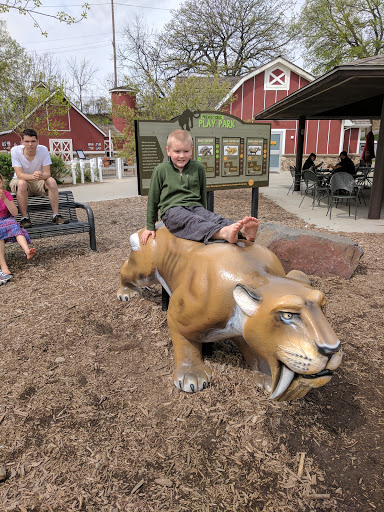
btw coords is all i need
(58, 169)
(6, 169)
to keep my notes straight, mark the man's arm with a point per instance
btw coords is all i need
(46, 172)
(21, 175)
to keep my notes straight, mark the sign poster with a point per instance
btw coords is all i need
(255, 151)
(206, 153)
(231, 157)
(235, 154)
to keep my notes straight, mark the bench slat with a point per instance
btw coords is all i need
(40, 213)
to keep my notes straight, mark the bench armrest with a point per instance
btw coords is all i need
(91, 222)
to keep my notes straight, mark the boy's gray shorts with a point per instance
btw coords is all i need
(193, 222)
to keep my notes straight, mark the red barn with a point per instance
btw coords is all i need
(272, 82)
(62, 133)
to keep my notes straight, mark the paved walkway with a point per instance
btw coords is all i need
(105, 191)
(277, 191)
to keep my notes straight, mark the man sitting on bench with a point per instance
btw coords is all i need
(32, 177)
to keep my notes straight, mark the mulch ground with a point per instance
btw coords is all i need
(90, 419)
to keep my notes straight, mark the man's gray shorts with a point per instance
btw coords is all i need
(193, 222)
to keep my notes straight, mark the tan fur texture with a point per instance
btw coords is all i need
(237, 291)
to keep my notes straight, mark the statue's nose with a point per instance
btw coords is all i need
(329, 351)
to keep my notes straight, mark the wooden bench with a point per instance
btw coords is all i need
(40, 213)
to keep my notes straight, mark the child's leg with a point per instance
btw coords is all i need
(3, 264)
(197, 223)
(29, 251)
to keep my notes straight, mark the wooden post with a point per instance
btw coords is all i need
(93, 164)
(73, 169)
(82, 167)
(100, 167)
(299, 152)
(377, 189)
(114, 52)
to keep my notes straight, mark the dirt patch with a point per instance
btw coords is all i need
(90, 419)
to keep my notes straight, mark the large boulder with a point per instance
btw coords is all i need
(312, 252)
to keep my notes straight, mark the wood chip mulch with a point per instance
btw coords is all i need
(90, 419)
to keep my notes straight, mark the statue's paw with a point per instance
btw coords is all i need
(126, 293)
(263, 381)
(192, 378)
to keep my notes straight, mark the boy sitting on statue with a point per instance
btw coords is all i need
(178, 190)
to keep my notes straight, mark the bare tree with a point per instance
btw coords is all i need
(230, 37)
(143, 55)
(81, 78)
(210, 37)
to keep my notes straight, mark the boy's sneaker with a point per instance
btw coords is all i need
(59, 219)
(26, 223)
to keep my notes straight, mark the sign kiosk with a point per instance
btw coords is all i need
(235, 154)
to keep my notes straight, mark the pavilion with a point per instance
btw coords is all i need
(350, 91)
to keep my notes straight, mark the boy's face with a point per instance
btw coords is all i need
(180, 153)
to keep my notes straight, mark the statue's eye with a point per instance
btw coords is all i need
(285, 315)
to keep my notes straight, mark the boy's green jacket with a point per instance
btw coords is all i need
(169, 187)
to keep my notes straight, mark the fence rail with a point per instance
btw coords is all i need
(98, 169)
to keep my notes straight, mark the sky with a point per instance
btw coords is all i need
(92, 37)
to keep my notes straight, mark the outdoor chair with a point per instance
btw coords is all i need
(295, 180)
(364, 178)
(342, 187)
(314, 186)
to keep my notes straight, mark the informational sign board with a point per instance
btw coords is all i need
(235, 154)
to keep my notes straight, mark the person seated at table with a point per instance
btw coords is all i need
(345, 165)
(310, 162)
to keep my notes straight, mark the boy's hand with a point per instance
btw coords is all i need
(146, 234)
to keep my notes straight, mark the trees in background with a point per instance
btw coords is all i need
(35, 10)
(13, 72)
(81, 77)
(190, 64)
(338, 31)
(216, 37)
(26, 81)
(227, 37)
(194, 92)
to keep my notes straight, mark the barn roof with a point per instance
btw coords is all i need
(44, 102)
(353, 90)
(260, 69)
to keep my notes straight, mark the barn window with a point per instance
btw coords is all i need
(277, 79)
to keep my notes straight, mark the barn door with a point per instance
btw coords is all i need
(276, 150)
(62, 148)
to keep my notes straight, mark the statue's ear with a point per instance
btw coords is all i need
(247, 300)
(298, 275)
